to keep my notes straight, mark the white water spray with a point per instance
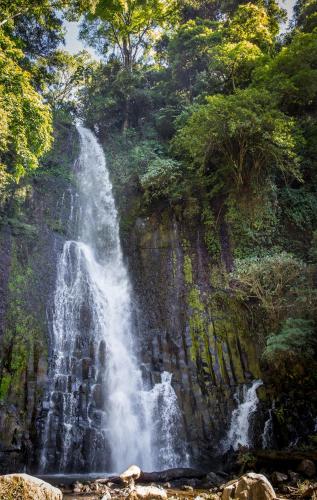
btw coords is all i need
(99, 415)
(267, 436)
(239, 431)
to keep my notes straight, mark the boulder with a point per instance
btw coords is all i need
(149, 492)
(25, 487)
(307, 468)
(130, 475)
(107, 496)
(77, 487)
(278, 478)
(251, 486)
(294, 477)
(214, 479)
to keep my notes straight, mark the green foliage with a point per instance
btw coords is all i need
(23, 334)
(300, 208)
(233, 63)
(126, 25)
(296, 337)
(25, 129)
(251, 23)
(306, 15)
(292, 75)
(161, 179)
(240, 139)
(280, 283)
(66, 76)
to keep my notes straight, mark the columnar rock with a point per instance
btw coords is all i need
(251, 486)
(25, 487)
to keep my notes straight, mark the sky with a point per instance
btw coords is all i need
(73, 44)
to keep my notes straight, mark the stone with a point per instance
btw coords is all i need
(214, 479)
(278, 478)
(107, 496)
(77, 487)
(130, 475)
(187, 487)
(25, 487)
(293, 476)
(251, 486)
(149, 492)
(307, 468)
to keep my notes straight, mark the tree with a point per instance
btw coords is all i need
(125, 26)
(66, 76)
(292, 75)
(280, 283)
(306, 15)
(296, 337)
(252, 23)
(232, 64)
(240, 139)
(25, 131)
(189, 51)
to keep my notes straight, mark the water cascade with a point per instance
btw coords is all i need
(99, 415)
(267, 436)
(239, 431)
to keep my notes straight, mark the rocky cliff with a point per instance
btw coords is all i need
(33, 227)
(190, 326)
(189, 320)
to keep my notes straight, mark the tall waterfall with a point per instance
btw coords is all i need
(239, 431)
(99, 415)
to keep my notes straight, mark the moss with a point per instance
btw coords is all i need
(5, 385)
(57, 226)
(194, 301)
(211, 234)
(188, 271)
(23, 336)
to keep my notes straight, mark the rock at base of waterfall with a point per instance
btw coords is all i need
(307, 468)
(130, 475)
(249, 486)
(107, 496)
(278, 478)
(149, 492)
(27, 487)
(293, 476)
(214, 479)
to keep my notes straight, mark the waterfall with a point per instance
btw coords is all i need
(239, 431)
(99, 415)
(267, 436)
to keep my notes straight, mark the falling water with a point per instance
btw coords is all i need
(239, 431)
(267, 436)
(99, 416)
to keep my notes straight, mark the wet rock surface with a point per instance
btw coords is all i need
(31, 237)
(191, 327)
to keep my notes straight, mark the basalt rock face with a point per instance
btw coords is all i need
(191, 325)
(32, 232)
